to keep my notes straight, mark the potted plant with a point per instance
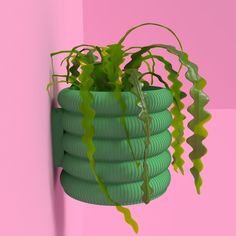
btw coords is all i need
(111, 135)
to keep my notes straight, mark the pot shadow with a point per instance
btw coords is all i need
(58, 193)
(59, 204)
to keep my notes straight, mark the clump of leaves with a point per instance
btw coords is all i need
(117, 69)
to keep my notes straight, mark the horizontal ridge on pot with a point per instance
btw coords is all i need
(124, 194)
(105, 103)
(117, 150)
(120, 172)
(114, 162)
(111, 127)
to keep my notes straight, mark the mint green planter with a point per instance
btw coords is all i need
(114, 162)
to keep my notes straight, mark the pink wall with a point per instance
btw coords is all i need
(206, 28)
(30, 203)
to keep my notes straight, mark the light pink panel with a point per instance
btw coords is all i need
(206, 28)
(31, 203)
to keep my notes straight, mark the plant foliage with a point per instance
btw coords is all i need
(117, 69)
(146, 118)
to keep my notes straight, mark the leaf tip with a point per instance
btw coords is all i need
(198, 188)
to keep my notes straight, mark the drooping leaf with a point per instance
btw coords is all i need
(101, 81)
(128, 218)
(54, 83)
(125, 84)
(158, 77)
(136, 62)
(153, 66)
(197, 110)
(113, 57)
(178, 116)
(91, 57)
(146, 119)
(150, 69)
(87, 123)
(137, 58)
(200, 99)
(107, 80)
(74, 53)
(118, 96)
(75, 66)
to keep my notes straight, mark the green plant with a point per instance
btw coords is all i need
(115, 68)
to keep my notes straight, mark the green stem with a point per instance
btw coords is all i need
(158, 25)
(56, 75)
(153, 24)
(59, 52)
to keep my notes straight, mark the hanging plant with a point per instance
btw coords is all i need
(111, 135)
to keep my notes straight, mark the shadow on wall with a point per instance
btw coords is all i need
(58, 193)
(59, 205)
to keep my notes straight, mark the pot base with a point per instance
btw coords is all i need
(124, 194)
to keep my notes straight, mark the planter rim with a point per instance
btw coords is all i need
(149, 89)
(105, 103)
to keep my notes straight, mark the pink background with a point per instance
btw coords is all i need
(205, 27)
(31, 199)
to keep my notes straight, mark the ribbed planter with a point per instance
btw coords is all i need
(113, 158)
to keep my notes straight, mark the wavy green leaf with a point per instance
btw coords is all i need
(118, 96)
(150, 69)
(178, 116)
(196, 109)
(157, 76)
(113, 57)
(54, 83)
(153, 66)
(87, 123)
(137, 58)
(200, 99)
(101, 81)
(146, 119)
(128, 218)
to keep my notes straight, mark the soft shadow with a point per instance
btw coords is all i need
(59, 204)
(58, 193)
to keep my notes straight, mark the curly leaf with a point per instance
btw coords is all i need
(128, 218)
(196, 109)
(178, 116)
(152, 70)
(90, 56)
(87, 123)
(101, 82)
(74, 69)
(200, 99)
(153, 66)
(54, 83)
(146, 119)
(117, 94)
(137, 59)
(113, 57)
